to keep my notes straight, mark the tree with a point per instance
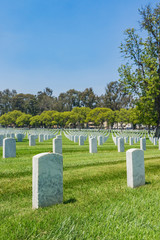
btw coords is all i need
(10, 118)
(67, 101)
(6, 100)
(23, 120)
(88, 98)
(99, 116)
(141, 73)
(116, 96)
(45, 100)
(78, 116)
(26, 103)
(35, 121)
(123, 116)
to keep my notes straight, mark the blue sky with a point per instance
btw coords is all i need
(63, 44)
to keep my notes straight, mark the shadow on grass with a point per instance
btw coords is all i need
(15, 174)
(146, 183)
(71, 200)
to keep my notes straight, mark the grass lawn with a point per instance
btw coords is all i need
(97, 202)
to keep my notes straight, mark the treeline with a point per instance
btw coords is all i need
(114, 98)
(81, 117)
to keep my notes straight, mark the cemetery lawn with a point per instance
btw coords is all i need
(97, 203)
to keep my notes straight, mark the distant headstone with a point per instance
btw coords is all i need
(130, 141)
(57, 145)
(121, 145)
(100, 140)
(81, 140)
(47, 179)
(155, 141)
(76, 138)
(135, 168)
(32, 140)
(1, 140)
(40, 137)
(143, 144)
(93, 145)
(19, 137)
(9, 147)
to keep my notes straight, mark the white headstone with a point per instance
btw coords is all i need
(1, 140)
(41, 137)
(120, 144)
(135, 168)
(47, 179)
(32, 140)
(76, 138)
(93, 145)
(143, 144)
(81, 140)
(57, 145)
(19, 137)
(100, 140)
(130, 141)
(9, 147)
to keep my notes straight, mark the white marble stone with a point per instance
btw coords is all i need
(9, 147)
(130, 141)
(81, 140)
(57, 145)
(126, 139)
(76, 138)
(19, 137)
(1, 140)
(143, 144)
(100, 140)
(32, 140)
(135, 168)
(93, 145)
(120, 144)
(40, 137)
(47, 180)
(155, 141)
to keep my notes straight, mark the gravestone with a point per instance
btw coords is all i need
(9, 147)
(81, 140)
(57, 145)
(100, 140)
(1, 140)
(159, 143)
(135, 168)
(155, 141)
(76, 138)
(120, 144)
(45, 137)
(143, 144)
(130, 141)
(47, 179)
(40, 137)
(19, 137)
(93, 145)
(12, 135)
(126, 139)
(32, 140)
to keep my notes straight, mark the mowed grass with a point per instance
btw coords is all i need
(97, 202)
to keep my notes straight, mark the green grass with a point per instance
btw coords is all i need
(97, 202)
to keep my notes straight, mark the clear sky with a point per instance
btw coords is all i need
(63, 44)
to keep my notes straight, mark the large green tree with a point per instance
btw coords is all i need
(141, 73)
